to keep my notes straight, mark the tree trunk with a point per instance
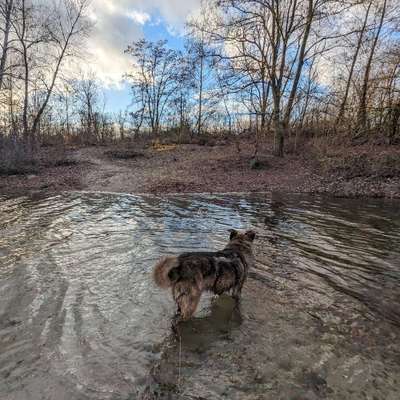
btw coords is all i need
(200, 116)
(26, 97)
(353, 63)
(3, 61)
(280, 133)
(278, 128)
(67, 116)
(26, 74)
(362, 110)
(395, 119)
(282, 125)
(300, 63)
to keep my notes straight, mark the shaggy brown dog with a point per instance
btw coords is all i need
(189, 274)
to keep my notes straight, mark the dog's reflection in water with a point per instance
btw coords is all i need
(181, 354)
(223, 317)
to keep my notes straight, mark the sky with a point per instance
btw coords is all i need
(117, 23)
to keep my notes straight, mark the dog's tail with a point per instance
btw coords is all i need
(162, 269)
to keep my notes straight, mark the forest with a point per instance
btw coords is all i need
(277, 73)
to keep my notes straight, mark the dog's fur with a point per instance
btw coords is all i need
(189, 274)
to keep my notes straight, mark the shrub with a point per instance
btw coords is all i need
(16, 156)
(123, 154)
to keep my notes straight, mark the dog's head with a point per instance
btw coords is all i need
(242, 237)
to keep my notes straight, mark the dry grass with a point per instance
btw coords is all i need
(315, 166)
(19, 158)
(123, 154)
(16, 158)
(350, 162)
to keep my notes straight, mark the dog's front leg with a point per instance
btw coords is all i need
(236, 295)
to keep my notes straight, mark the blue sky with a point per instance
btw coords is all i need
(118, 23)
(118, 97)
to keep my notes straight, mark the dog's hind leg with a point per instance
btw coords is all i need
(188, 304)
(187, 294)
(175, 322)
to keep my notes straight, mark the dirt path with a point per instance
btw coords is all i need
(220, 168)
(190, 168)
(102, 174)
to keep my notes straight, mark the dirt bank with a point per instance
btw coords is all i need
(216, 168)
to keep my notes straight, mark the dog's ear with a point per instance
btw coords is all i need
(233, 234)
(251, 235)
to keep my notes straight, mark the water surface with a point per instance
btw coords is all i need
(81, 319)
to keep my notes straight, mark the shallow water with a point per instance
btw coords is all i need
(81, 319)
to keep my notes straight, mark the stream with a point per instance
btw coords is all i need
(80, 317)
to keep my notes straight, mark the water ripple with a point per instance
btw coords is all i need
(80, 314)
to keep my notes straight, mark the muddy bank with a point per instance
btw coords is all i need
(220, 168)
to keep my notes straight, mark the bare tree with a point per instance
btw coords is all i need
(198, 51)
(154, 79)
(122, 119)
(46, 37)
(270, 37)
(69, 25)
(88, 98)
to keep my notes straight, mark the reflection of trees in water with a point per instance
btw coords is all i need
(198, 221)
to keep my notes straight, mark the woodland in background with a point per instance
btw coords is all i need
(275, 70)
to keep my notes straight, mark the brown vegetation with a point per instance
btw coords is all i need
(215, 166)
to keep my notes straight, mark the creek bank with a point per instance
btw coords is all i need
(217, 168)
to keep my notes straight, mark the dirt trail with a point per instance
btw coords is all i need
(102, 173)
(191, 168)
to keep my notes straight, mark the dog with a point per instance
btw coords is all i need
(190, 274)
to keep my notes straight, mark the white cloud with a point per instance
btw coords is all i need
(139, 17)
(119, 22)
(174, 11)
